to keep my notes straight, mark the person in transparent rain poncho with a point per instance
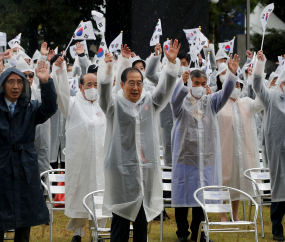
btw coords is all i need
(274, 137)
(42, 138)
(239, 145)
(85, 135)
(196, 150)
(133, 184)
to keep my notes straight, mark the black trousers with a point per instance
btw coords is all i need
(181, 214)
(120, 228)
(276, 213)
(21, 235)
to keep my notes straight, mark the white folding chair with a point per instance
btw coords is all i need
(211, 199)
(261, 190)
(53, 189)
(96, 214)
(166, 176)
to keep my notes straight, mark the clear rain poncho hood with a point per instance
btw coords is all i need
(26, 92)
(37, 55)
(272, 76)
(23, 66)
(221, 54)
(22, 54)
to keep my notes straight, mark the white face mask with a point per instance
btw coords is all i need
(236, 92)
(222, 78)
(198, 91)
(91, 94)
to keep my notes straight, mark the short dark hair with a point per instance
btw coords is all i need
(197, 74)
(125, 73)
(81, 81)
(55, 57)
(182, 54)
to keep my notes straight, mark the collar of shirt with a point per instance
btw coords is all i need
(8, 102)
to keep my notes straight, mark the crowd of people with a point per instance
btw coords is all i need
(107, 132)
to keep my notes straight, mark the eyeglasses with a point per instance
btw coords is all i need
(132, 84)
(31, 75)
(12, 82)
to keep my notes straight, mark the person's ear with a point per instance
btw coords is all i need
(81, 87)
(122, 85)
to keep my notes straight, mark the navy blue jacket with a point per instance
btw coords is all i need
(22, 203)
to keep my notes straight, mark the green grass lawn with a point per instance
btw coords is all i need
(60, 234)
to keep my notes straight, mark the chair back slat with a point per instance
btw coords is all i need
(166, 175)
(264, 186)
(218, 208)
(98, 200)
(166, 186)
(56, 177)
(57, 189)
(260, 175)
(216, 195)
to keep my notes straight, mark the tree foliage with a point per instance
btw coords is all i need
(53, 21)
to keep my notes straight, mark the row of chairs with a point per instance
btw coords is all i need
(219, 194)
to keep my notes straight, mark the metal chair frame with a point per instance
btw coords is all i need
(98, 201)
(260, 174)
(214, 193)
(53, 190)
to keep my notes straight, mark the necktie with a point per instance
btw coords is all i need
(12, 109)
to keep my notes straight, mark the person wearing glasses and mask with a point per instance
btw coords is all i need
(85, 135)
(22, 202)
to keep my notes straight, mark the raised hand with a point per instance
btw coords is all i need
(44, 49)
(208, 90)
(126, 51)
(50, 55)
(59, 61)
(186, 76)
(157, 49)
(42, 72)
(8, 54)
(249, 54)
(260, 55)
(171, 54)
(108, 58)
(233, 64)
(79, 48)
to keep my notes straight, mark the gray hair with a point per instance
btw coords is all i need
(197, 74)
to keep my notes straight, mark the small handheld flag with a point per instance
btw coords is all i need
(228, 46)
(264, 18)
(157, 32)
(116, 43)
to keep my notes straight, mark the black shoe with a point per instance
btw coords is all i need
(203, 239)
(76, 238)
(182, 239)
(278, 237)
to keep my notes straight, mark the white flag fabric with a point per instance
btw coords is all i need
(56, 50)
(191, 35)
(17, 39)
(73, 47)
(228, 46)
(116, 43)
(3, 39)
(84, 31)
(101, 51)
(265, 15)
(157, 32)
(73, 83)
(281, 65)
(166, 44)
(203, 41)
(208, 70)
(100, 20)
